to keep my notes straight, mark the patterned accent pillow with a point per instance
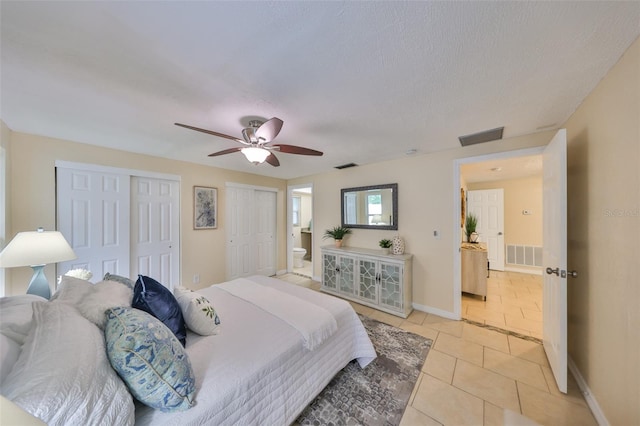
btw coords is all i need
(119, 279)
(155, 299)
(198, 312)
(150, 360)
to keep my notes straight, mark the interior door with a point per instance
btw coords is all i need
(239, 231)
(265, 233)
(251, 231)
(488, 206)
(155, 228)
(93, 215)
(554, 313)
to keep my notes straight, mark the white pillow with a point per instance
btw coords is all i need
(93, 300)
(63, 375)
(72, 290)
(15, 322)
(9, 352)
(198, 312)
(15, 316)
(104, 295)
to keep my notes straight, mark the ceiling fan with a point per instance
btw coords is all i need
(257, 142)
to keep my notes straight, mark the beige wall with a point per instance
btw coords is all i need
(603, 231)
(426, 197)
(203, 252)
(519, 194)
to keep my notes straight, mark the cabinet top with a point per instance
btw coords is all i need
(473, 246)
(367, 251)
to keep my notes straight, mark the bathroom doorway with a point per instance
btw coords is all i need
(300, 230)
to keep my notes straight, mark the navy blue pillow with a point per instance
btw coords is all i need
(155, 299)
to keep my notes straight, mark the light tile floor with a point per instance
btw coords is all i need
(514, 302)
(474, 376)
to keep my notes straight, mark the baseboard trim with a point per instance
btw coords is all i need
(523, 270)
(588, 395)
(435, 311)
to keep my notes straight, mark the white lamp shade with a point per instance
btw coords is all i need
(255, 155)
(36, 248)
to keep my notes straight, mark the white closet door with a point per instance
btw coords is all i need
(93, 215)
(251, 225)
(265, 238)
(239, 232)
(155, 227)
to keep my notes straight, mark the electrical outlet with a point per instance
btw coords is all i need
(196, 278)
(436, 234)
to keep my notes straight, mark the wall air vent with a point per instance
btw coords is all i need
(481, 137)
(346, 166)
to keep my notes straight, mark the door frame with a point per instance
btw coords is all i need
(457, 233)
(290, 245)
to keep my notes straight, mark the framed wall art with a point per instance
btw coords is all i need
(205, 207)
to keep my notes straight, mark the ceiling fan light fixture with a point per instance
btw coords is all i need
(255, 155)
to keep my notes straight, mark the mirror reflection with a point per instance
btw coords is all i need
(373, 207)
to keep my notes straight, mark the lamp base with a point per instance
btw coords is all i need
(39, 284)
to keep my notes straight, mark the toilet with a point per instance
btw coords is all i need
(298, 256)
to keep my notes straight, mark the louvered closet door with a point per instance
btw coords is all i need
(93, 215)
(154, 229)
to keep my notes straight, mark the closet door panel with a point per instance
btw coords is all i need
(93, 215)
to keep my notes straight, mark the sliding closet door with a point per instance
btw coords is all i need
(155, 225)
(239, 232)
(251, 227)
(120, 221)
(265, 238)
(93, 215)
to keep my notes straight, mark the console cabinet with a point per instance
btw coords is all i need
(368, 277)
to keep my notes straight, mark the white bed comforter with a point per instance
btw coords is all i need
(256, 370)
(313, 322)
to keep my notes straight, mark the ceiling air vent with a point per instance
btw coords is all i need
(346, 166)
(481, 137)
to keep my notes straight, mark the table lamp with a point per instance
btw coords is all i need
(36, 249)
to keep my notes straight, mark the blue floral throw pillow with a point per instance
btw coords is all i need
(155, 299)
(149, 359)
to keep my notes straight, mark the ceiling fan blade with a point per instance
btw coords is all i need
(269, 129)
(292, 149)
(211, 132)
(226, 151)
(271, 159)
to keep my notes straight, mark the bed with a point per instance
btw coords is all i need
(258, 369)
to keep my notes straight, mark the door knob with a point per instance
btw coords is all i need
(573, 274)
(499, 233)
(553, 271)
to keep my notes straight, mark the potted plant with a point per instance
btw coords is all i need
(470, 224)
(385, 245)
(337, 233)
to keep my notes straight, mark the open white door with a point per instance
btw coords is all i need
(554, 311)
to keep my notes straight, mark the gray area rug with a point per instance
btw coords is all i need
(377, 394)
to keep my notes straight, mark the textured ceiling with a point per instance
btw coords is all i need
(361, 81)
